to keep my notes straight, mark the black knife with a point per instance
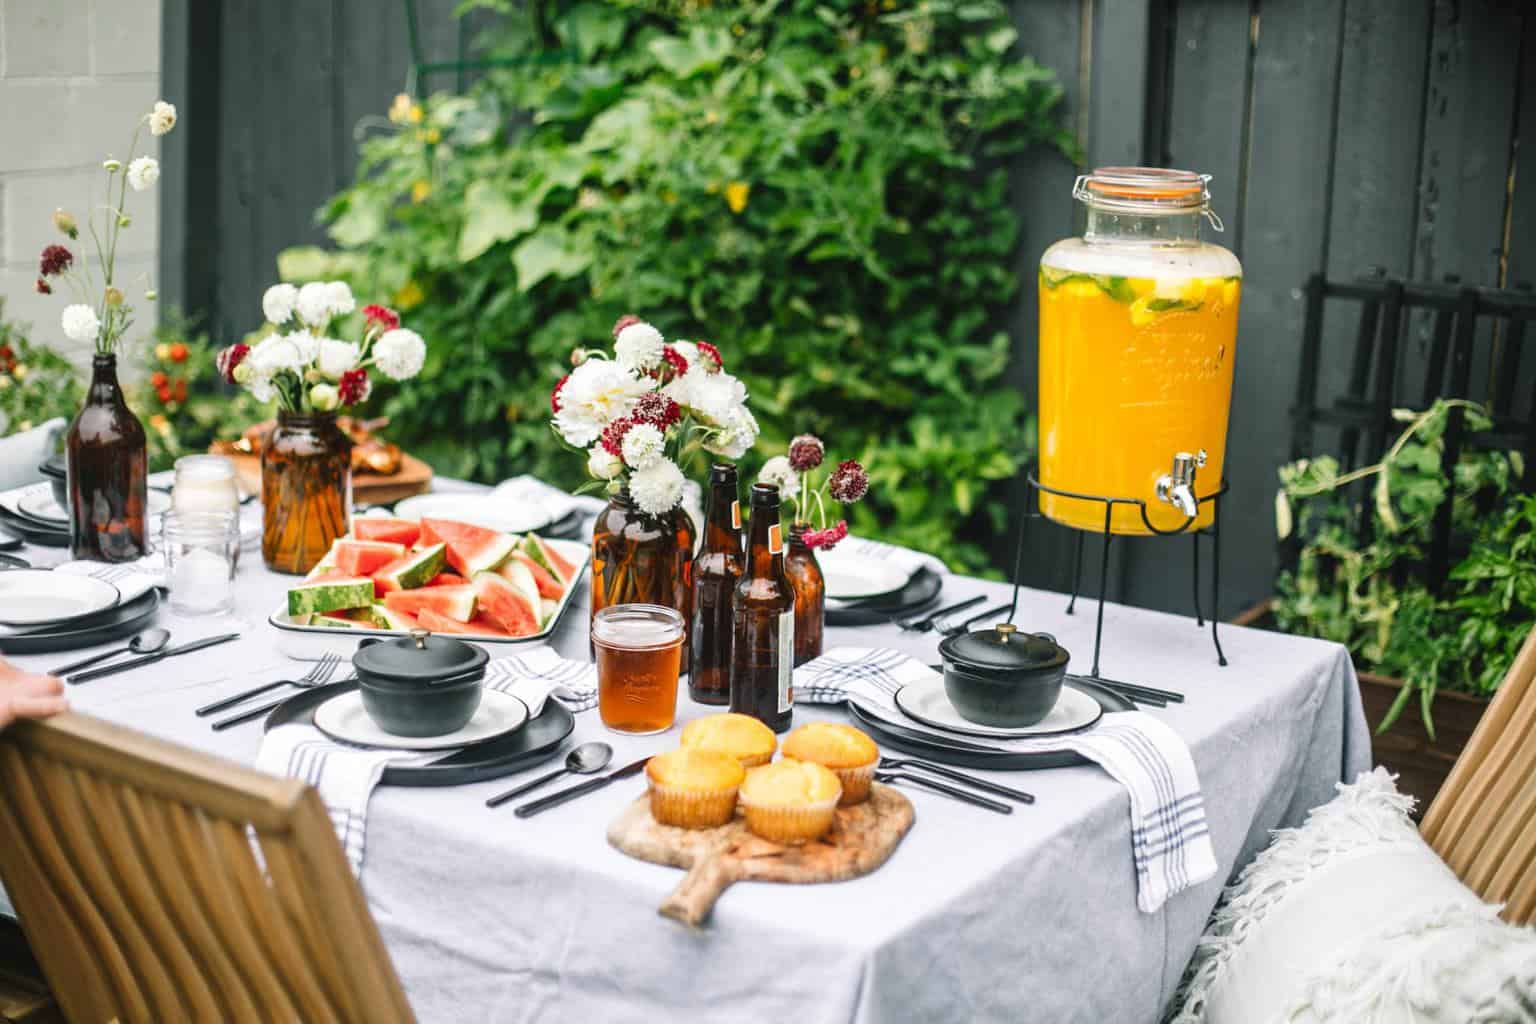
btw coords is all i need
(528, 810)
(150, 659)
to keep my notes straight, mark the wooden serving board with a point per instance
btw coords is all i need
(414, 477)
(862, 838)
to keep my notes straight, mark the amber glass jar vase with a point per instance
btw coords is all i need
(108, 470)
(810, 589)
(306, 490)
(643, 559)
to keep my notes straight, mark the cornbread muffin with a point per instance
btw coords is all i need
(790, 801)
(741, 736)
(693, 788)
(849, 753)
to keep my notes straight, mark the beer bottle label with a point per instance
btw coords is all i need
(786, 659)
(736, 515)
(775, 539)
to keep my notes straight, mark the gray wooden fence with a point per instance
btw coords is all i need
(1341, 134)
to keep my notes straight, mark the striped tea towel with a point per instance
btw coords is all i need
(1170, 841)
(346, 775)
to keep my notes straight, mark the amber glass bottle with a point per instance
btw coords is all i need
(716, 570)
(306, 490)
(108, 471)
(810, 588)
(763, 647)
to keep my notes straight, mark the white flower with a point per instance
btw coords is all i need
(778, 473)
(603, 464)
(735, 438)
(337, 357)
(278, 301)
(143, 172)
(324, 397)
(340, 297)
(80, 323)
(314, 303)
(638, 347)
(400, 353)
(658, 488)
(277, 353)
(714, 397)
(643, 446)
(162, 119)
(595, 394)
(260, 386)
(689, 351)
(306, 345)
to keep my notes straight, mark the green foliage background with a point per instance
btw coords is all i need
(818, 188)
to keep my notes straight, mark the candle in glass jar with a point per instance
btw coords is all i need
(200, 582)
(204, 484)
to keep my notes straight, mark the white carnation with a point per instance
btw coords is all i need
(638, 347)
(80, 323)
(143, 173)
(658, 488)
(277, 303)
(400, 353)
(714, 397)
(643, 446)
(162, 119)
(689, 351)
(340, 298)
(737, 437)
(306, 346)
(314, 303)
(595, 394)
(337, 357)
(603, 464)
(777, 472)
(277, 353)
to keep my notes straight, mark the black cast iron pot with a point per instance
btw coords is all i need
(1001, 677)
(420, 685)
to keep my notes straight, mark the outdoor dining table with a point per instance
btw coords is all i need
(977, 916)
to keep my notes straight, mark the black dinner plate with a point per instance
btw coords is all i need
(34, 532)
(956, 753)
(921, 590)
(492, 759)
(104, 626)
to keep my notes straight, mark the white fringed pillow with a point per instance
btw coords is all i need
(1353, 919)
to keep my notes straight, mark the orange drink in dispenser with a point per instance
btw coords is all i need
(1138, 326)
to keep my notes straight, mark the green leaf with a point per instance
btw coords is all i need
(360, 222)
(1116, 287)
(551, 251)
(491, 217)
(704, 48)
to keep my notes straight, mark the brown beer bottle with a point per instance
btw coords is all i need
(763, 648)
(716, 570)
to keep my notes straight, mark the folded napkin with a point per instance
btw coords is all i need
(1170, 841)
(346, 775)
(527, 490)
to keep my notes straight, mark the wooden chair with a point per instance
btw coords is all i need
(133, 866)
(1483, 822)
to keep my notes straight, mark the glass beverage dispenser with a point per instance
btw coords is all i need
(1138, 321)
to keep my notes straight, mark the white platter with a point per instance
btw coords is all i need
(344, 718)
(36, 597)
(850, 576)
(926, 702)
(477, 510)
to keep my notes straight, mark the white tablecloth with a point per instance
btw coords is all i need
(977, 917)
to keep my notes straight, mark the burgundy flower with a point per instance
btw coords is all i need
(55, 260)
(657, 409)
(381, 317)
(623, 322)
(230, 358)
(806, 452)
(849, 482)
(710, 357)
(612, 437)
(826, 538)
(675, 364)
(354, 386)
(554, 396)
(43, 287)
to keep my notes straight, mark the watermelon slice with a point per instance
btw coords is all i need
(324, 569)
(548, 606)
(383, 617)
(445, 579)
(411, 570)
(505, 605)
(543, 552)
(543, 579)
(395, 531)
(478, 626)
(329, 595)
(363, 557)
(336, 622)
(456, 603)
(517, 574)
(471, 549)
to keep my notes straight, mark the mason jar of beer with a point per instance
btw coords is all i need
(716, 570)
(763, 609)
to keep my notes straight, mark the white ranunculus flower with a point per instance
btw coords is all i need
(688, 350)
(277, 303)
(638, 347)
(143, 173)
(713, 397)
(603, 464)
(595, 394)
(314, 303)
(658, 488)
(735, 438)
(162, 119)
(278, 353)
(340, 297)
(778, 473)
(261, 387)
(306, 346)
(337, 357)
(80, 323)
(643, 446)
(400, 353)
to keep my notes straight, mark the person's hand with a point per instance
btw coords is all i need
(24, 695)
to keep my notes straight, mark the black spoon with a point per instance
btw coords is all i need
(583, 760)
(147, 642)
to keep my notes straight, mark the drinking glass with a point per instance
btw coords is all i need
(639, 654)
(200, 555)
(205, 483)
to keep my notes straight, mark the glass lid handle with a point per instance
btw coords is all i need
(420, 636)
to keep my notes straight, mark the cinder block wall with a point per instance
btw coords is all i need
(74, 77)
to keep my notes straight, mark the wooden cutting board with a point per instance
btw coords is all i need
(414, 477)
(862, 839)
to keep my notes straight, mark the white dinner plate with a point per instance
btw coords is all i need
(850, 576)
(40, 505)
(344, 718)
(35, 597)
(926, 702)
(476, 510)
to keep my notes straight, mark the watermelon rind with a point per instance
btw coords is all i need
(455, 602)
(536, 548)
(471, 548)
(324, 596)
(381, 616)
(336, 622)
(517, 574)
(549, 607)
(412, 571)
(519, 618)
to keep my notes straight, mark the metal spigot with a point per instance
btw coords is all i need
(1177, 488)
